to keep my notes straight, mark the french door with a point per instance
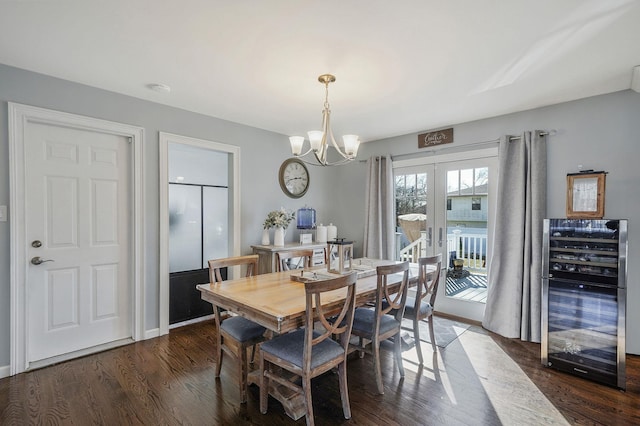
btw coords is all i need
(444, 205)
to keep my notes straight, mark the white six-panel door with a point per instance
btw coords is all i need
(78, 221)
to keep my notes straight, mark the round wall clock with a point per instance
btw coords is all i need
(294, 178)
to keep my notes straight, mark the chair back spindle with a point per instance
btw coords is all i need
(216, 265)
(422, 307)
(284, 258)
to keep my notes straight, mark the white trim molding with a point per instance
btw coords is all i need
(445, 158)
(19, 117)
(5, 371)
(234, 186)
(150, 334)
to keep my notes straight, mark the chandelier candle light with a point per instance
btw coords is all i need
(319, 139)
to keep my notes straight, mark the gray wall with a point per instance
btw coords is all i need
(600, 133)
(262, 153)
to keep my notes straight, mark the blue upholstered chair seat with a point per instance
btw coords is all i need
(409, 308)
(364, 318)
(290, 347)
(242, 329)
(410, 311)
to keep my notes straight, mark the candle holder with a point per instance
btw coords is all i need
(340, 256)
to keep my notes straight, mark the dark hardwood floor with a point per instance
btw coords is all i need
(478, 379)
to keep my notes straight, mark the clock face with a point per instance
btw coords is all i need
(294, 178)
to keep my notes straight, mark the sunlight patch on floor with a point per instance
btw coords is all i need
(433, 367)
(515, 398)
(458, 330)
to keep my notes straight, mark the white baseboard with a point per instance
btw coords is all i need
(4, 371)
(150, 334)
(192, 321)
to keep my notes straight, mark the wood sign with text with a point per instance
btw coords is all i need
(438, 137)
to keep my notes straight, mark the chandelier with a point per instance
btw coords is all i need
(319, 139)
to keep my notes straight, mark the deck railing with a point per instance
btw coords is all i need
(469, 247)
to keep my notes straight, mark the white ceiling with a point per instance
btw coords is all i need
(402, 67)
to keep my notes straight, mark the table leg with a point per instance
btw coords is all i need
(292, 402)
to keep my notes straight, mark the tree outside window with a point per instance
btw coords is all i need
(411, 193)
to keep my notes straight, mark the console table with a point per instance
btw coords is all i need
(267, 254)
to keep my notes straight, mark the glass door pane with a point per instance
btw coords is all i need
(463, 223)
(185, 228)
(215, 204)
(414, 205)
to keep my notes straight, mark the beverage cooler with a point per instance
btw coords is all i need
(584, 298)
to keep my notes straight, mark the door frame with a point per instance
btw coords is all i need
(234, 186)
(460, 308)
(20, 116)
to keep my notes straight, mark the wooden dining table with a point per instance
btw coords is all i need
(277, 301)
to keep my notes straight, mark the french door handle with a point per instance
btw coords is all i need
(429, 231)
(440, 237)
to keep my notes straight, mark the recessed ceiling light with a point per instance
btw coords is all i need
(158, 87)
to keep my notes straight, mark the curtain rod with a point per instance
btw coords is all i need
(543, 133)
(449, 148)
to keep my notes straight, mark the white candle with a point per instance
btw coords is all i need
(332, 232)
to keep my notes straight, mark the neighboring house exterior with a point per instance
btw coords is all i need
(468, 209)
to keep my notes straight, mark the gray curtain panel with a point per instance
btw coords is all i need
(514, 295)
(379, 224)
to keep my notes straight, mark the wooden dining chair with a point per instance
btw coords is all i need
(384, 319)
(284, 259)
(422, 305)
(236, 334)
(310, 352)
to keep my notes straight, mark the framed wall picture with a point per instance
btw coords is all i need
(585, 195)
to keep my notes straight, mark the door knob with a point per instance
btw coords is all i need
(38, 260)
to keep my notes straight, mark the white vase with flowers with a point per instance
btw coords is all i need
(280, 220)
